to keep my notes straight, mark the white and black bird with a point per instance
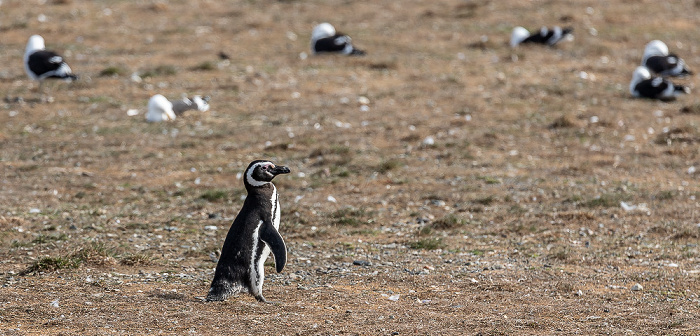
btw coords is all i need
(324, 39)
(660, 61)
(41, 64)
(252, 236)
(162, 109)
(545, 36)
(643, 85)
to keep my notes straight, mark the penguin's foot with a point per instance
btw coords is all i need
(261, 298)
(221, 292)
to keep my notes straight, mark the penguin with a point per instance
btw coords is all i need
(252, 236)
(644, 86)
(324, 39)
(546, 36)
(659, 60)
(40, 64)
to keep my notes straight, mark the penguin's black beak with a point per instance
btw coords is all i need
(279, 170)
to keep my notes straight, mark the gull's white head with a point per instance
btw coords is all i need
(518, 35)
(655, 48)
(36, 42)
(640, 73)
(160, 109)
(323, 30)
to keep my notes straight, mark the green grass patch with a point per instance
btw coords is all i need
(665, 195)
(490, 179)
(427, 244)
(349, 216)
(214, 195)
(604, 201)
(161, 70)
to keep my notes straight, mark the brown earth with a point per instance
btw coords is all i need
(509, 223)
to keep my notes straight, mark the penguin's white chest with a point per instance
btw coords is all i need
(275, 209)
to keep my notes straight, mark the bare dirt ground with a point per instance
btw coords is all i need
(508, 222)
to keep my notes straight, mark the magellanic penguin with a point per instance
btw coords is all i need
(252, 236)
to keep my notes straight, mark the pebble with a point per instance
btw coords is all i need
(211, 228)
(361, 263)
(637, 287)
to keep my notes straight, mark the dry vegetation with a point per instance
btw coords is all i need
(508, 222)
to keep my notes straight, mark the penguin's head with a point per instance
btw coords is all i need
(261, 172)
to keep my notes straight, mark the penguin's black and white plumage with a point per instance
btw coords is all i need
(40, 64)
(252, 236)
(644, 86)
(545, 36)
(324, 39)
(660, 61)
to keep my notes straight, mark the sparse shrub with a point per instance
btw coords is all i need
(112, 71)
(389, 165)
(95, 254)
(485, 200)
(50, 264)
(665, 195)
(448, 222)
(135, 259)
(605, 200)
(204, 66)
(349, 216)
(562, 122)
(427, 244)
(161, 70)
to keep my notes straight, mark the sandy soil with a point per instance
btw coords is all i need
(478, 187)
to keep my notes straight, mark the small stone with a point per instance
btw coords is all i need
(362, 263)
(579, 293)
(34, 211)
(214, 215)
(394, 297)
(211, 228)
(429, 141)
(637, 287)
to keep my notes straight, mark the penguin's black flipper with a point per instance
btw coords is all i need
(274, 241)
